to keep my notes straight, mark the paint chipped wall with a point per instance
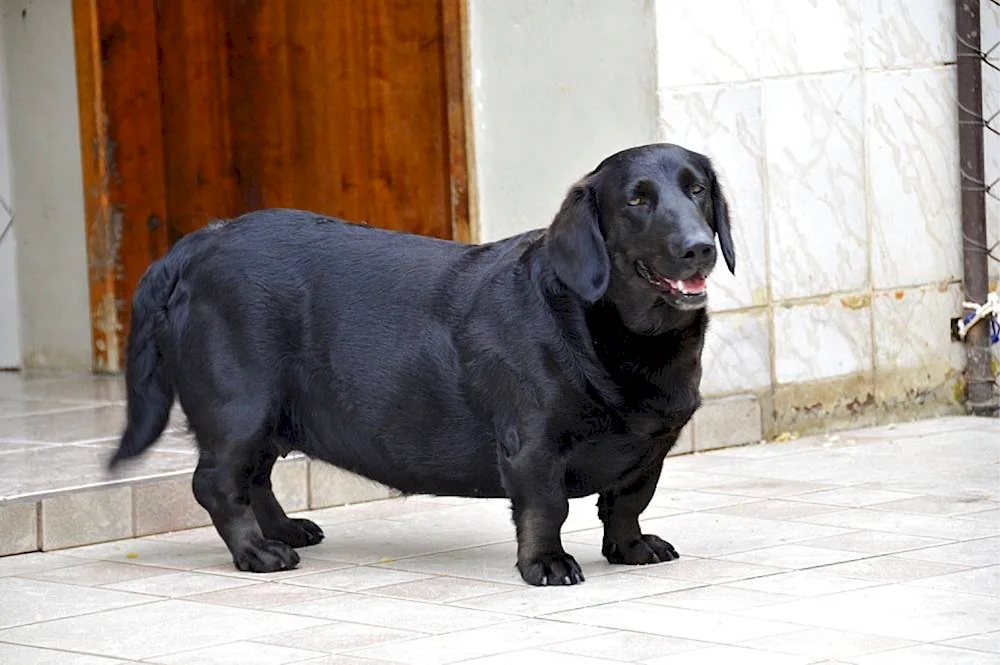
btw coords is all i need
(834, 126)
(47, 185)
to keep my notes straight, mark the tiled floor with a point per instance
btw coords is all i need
(871, 547)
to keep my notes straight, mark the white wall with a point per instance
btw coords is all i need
(833, 123)
(47, 183)
(10, 344)
(557, 85)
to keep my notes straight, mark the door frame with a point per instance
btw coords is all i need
(140, 150)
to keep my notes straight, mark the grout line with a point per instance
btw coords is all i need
(38, 526)
(866, 166)
(132, 499)
(901, 69)
(767, 420)
(820, 298)
(152, 600)
(61, 410)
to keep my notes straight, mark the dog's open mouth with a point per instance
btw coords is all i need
(691, 291)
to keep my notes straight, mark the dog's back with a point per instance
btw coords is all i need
(327, 337)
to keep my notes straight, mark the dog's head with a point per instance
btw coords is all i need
(640, 230)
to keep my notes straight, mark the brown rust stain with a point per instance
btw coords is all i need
(856, 301)
(857, 405)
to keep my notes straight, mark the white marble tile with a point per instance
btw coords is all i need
(900, 611)
(674, 622)
(623, 645)
(396, 613)
(803, 583)
(36, 602)
(731, 654)
(13, 653)
(989, 642)
(737, 356)
(706, 42)
(984, 581)
(724, 122)
(913, 177)
(903, 33)
(802, 37)
(820, 341)
(339, 637)
(911, 328)
(815, 187)
(243, 652)
(533, 601)
(466, 645)
(927, 654)
(155, 629)
(716, 598)
(820, 643)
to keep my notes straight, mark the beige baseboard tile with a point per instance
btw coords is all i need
(727, 421)
(685, 442)
(18, 528)
(330, 486)
(290, 482)
(166, 505)
(85, 518)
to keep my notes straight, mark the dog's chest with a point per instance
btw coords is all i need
(630, 439)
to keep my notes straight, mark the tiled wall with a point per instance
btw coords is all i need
(10, 344)
(833, 123)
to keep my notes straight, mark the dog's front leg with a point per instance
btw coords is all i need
(619, 510)
(534, 477)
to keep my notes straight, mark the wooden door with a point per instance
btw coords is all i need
(194, 110)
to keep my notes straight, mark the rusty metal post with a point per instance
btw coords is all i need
(981, 392)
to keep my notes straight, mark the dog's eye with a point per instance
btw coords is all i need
(638, 201)
(697, 189)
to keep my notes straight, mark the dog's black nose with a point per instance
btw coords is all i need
(698, 252)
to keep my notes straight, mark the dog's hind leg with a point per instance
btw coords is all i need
(222, 486)
(274, 523)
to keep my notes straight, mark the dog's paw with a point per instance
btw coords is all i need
(295, 532)
(645, 549)
(551, 569)
(266, 556)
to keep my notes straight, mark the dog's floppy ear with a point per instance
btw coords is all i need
(720, 217)
(576, 247)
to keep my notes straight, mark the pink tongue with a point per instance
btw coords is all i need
(696, 283)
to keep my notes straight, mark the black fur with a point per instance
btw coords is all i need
(541, 367)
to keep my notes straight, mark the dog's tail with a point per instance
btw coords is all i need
(147, 379)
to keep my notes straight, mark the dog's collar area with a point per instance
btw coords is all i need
(693, 286)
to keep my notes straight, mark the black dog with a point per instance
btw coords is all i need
(551, 365)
